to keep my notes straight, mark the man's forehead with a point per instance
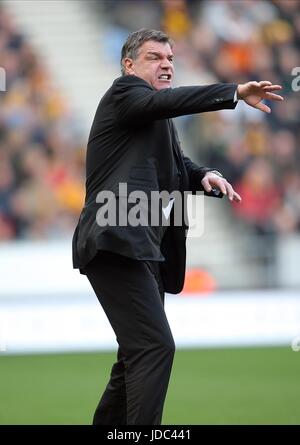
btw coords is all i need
(156, 47)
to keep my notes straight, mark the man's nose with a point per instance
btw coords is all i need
(166, 63)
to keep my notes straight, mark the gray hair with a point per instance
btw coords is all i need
(136, 39)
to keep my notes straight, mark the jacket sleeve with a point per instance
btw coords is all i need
(195, 173)
(135, 101)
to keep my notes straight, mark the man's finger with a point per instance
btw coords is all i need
(273, 96)
(223, 188)
(264, 83)
(236, 197)
(272, 88)
(230, 191)
(206, 185)
(262, 107)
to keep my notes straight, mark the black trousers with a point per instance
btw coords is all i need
(131, 294)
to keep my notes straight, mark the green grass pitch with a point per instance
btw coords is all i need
(208, 386)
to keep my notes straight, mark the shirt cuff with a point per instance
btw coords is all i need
(235, 99)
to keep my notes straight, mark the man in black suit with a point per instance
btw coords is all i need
(133, 141)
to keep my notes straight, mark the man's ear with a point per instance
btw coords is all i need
(128, 65)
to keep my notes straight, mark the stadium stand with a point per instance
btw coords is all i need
(42, 159)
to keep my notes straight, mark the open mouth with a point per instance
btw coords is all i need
(165, 77)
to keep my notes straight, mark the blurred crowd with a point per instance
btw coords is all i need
(41, 158)
(237, 41)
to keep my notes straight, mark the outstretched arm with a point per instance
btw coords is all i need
(136, 102)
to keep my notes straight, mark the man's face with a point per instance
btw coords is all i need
(154, 64)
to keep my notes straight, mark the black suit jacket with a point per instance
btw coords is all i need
(133, 140)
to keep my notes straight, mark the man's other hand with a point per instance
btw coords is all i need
(254, 92)
(212, 180)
